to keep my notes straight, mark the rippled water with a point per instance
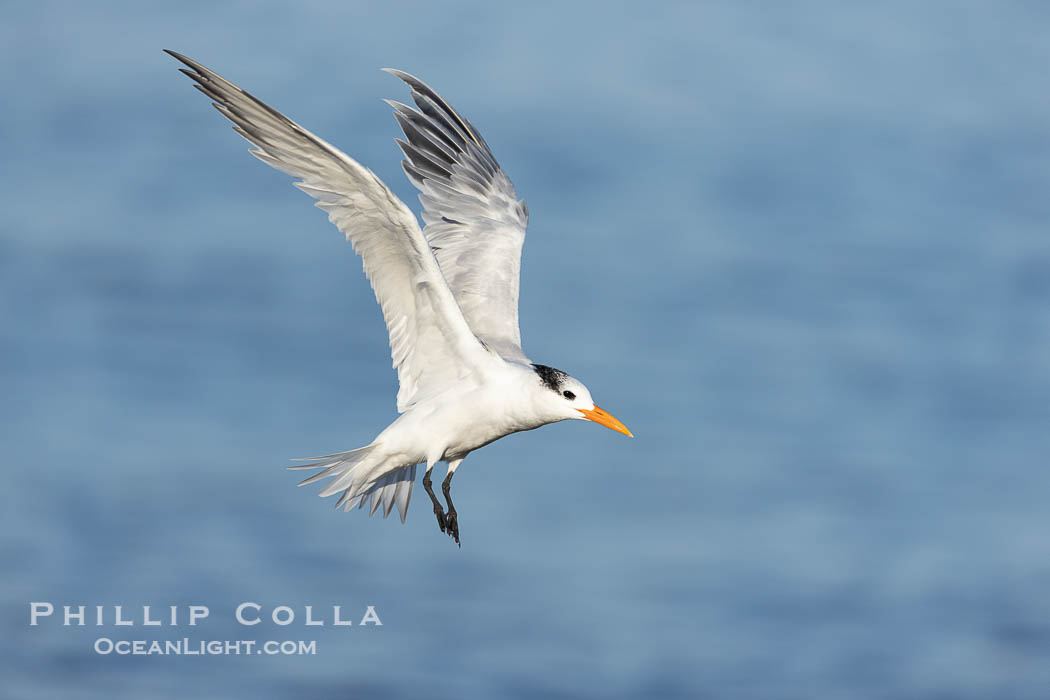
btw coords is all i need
(801, 253)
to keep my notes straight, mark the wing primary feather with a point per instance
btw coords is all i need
(442, 129)
(423, 161)
(431, 118)
(424, 89)
(421, 139)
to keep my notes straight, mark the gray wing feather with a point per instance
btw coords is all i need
(473, 219)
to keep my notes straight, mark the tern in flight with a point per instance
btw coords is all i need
(448, 291)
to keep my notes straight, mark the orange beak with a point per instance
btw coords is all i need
(607, 419)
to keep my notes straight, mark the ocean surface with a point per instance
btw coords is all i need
(801, 251)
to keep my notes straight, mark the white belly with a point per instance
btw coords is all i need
(450, 426)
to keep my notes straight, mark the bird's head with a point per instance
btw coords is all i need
(564, 397)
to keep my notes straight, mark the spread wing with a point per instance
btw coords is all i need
(431, 344)
(474, 221)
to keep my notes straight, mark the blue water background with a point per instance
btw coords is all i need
(801, 250)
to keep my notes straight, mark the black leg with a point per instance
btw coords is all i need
(451, 522)
(438, 510)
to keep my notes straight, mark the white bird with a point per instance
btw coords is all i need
(448, 291)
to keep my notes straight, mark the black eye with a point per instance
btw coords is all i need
(569, 395)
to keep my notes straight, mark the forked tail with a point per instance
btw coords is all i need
(355, 475)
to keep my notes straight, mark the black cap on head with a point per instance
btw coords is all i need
(551, 378)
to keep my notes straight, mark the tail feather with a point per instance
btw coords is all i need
(377, 494)
(403, 493)
(354, 475)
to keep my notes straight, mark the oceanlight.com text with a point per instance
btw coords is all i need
(203, 647)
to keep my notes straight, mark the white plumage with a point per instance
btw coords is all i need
(448, 292)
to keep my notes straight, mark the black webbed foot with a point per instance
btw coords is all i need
(452, 524)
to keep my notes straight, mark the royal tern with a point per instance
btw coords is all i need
(448, 291)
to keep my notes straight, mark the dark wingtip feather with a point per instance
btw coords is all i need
(184, 59)
(422, 88)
